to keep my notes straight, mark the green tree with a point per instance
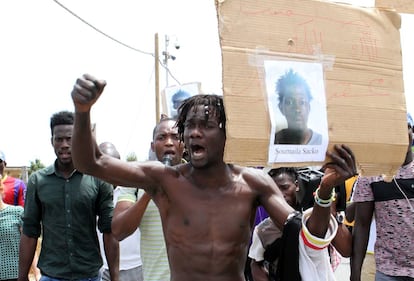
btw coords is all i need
(131, 157)
(35, 165)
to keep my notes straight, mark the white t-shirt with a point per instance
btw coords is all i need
(129, 248)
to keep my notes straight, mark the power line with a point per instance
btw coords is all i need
(100, 31)
(169, 72)
(114, 39)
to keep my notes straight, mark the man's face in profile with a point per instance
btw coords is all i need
(295, 107)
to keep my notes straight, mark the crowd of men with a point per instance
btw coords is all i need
(194, 220)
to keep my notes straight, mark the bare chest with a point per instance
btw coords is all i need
(202, 214)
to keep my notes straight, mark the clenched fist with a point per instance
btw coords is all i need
(86, 92)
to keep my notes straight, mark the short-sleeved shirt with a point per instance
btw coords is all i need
(153, 250)
(313, 261)
(10, 224)
(264, 234)
(394, 217)
(67, 210)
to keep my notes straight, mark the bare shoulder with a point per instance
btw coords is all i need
(254, 177)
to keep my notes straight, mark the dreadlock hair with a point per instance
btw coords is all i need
(213, 106)
(291, 78)
(61, 118)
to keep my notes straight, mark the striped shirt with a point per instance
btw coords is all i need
(394, 217)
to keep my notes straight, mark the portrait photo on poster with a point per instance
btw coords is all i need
(297, 109)
(175, 95)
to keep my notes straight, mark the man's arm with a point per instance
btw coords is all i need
(259, 273)
(26, 255)
(343, 241)
(341, 167)
(256, 254)
(350, 212)
(343, 238)
(128, 215)
(35, 270)
(111, 246)
(360, 236)
(87, 157)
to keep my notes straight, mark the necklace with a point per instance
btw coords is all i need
(405, 196)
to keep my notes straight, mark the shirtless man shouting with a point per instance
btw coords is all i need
(207, 206)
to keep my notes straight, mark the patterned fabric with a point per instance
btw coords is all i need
(394, 247)
(14, 191)
(10, 224)
(335, 257)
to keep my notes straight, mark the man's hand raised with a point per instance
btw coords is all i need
(341, 167)
(86, 92)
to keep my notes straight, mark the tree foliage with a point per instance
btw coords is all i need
(131, 157)
(35, 165)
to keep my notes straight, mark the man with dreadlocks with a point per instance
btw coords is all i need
(207, 206)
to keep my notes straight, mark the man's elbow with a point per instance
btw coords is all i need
(117, 233)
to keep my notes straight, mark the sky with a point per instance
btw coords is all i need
(44, 49)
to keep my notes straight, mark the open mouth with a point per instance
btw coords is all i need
(197, 151)
(169, 152)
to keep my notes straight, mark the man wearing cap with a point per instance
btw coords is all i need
(14, 189)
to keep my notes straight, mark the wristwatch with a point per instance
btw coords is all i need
(340, 217)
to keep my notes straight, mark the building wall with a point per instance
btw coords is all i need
(18, 172)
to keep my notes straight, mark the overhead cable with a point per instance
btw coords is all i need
(100, 31)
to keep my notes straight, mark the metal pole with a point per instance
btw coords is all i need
(157, 80)
(167, 56)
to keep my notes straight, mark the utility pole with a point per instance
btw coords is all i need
(166, 57)
(157, 80)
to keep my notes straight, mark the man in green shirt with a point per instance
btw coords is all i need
(63, 204)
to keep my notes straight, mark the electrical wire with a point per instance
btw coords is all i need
(169, 72)
(114, 39)
(100, 31)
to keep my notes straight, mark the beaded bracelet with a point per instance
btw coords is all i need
(324, 203)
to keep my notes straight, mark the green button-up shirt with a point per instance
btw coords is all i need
(67, 209)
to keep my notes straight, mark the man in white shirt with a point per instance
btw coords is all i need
(130, 264)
